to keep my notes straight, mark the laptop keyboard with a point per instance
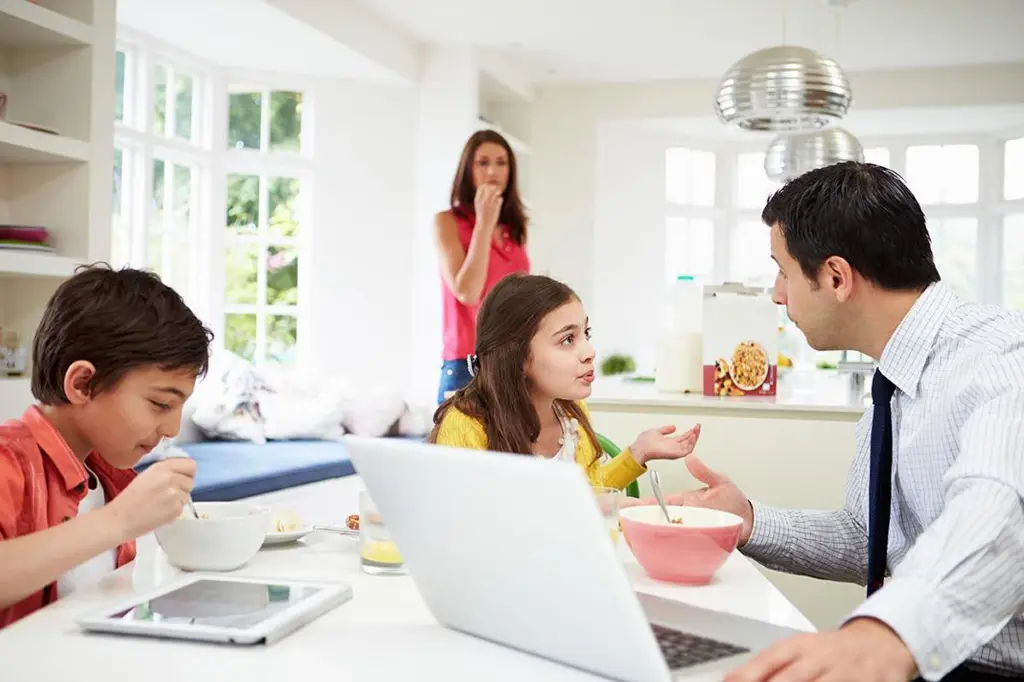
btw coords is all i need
(682, 650)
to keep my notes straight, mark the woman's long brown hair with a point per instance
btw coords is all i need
(463, 196)
(499, 394)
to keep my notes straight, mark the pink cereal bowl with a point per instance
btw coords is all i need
(688, 553)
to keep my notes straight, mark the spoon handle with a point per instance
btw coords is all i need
(656, 485)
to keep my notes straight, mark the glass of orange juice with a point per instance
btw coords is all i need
(608, 501)
(378, 554)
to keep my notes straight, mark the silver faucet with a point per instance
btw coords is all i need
(859, 368)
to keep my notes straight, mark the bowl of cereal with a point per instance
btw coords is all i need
(749, 367)
(224, 537)
(689, 550)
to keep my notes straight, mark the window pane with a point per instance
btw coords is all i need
(282, 275)
(155, 252)
(244, 112)
(119, 244)
(961, 167)
(1013, 261)
(283, 207)
(877, 155)
(184, 91)
(1013, 170)
(119, 69)
(243, 204)
(118, 175)
(702, 178)
(282, 335)
(159, 202)
(159, 99)
(285, 121)
(240, 335)
(943, 175)
(753, 185)
(751, 255)
(179, 275)
(924, 173)
(689, 248)
(955, 245)
(241, 263)
(677, 175)
(182, 195)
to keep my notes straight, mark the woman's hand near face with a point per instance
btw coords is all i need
(488, 206)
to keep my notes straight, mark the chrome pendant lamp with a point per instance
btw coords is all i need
(782, 89)
(792, 155)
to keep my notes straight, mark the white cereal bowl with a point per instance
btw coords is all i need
(227, 536)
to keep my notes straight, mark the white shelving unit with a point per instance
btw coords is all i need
(57, 71)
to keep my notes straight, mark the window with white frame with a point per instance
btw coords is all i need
(946, 180)
(264, 224)
(1013, 224)
(689, 229)
(166, 215)
(158, 162)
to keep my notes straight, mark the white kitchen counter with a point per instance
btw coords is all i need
(384, 633)
(804, 391)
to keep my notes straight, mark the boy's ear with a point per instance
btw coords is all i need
(76, 382)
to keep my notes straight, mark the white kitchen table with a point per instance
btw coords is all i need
(385, 632)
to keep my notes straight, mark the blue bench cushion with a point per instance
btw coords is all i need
(232, 470)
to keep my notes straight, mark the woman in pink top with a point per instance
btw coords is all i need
(481, 239)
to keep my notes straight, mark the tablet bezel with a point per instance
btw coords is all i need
(331, 594)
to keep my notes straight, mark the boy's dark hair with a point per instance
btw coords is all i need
(862, 213)
(119, 320)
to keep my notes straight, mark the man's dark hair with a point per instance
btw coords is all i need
(118, 320)
(862, 213)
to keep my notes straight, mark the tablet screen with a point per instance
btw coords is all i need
(219, 603)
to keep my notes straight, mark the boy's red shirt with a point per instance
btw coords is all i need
(41, 485)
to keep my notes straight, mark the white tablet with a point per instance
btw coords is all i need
(224, 609)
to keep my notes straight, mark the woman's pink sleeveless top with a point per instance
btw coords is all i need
(459, 320)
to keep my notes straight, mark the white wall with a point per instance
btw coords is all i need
(628, 242)
(363, 241)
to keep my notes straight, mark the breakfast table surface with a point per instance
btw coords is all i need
(385, 632)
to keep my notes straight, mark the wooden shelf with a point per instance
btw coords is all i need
(35, 264)
(25, 24)
(23, 145)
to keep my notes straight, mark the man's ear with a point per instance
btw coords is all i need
(837, 274)
(77, 381)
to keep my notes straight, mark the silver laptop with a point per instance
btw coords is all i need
(514, 550)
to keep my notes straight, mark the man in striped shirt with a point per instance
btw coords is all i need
(934, 516)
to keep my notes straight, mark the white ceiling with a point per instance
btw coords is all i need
(629, 40)
(247, 34)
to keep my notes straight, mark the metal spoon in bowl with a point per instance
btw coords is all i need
(656, 485)
(191, 507)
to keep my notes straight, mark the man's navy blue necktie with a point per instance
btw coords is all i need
(880, 491)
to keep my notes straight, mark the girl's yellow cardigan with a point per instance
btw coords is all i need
(462, 431)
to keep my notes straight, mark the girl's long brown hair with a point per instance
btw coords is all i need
(463, 195)
(499, 394)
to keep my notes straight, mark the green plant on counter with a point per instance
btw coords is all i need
(824, 364)
(617, 363)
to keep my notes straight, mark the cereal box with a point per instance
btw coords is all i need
(741, 341)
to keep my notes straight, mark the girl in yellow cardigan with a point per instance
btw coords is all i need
(533, 368)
